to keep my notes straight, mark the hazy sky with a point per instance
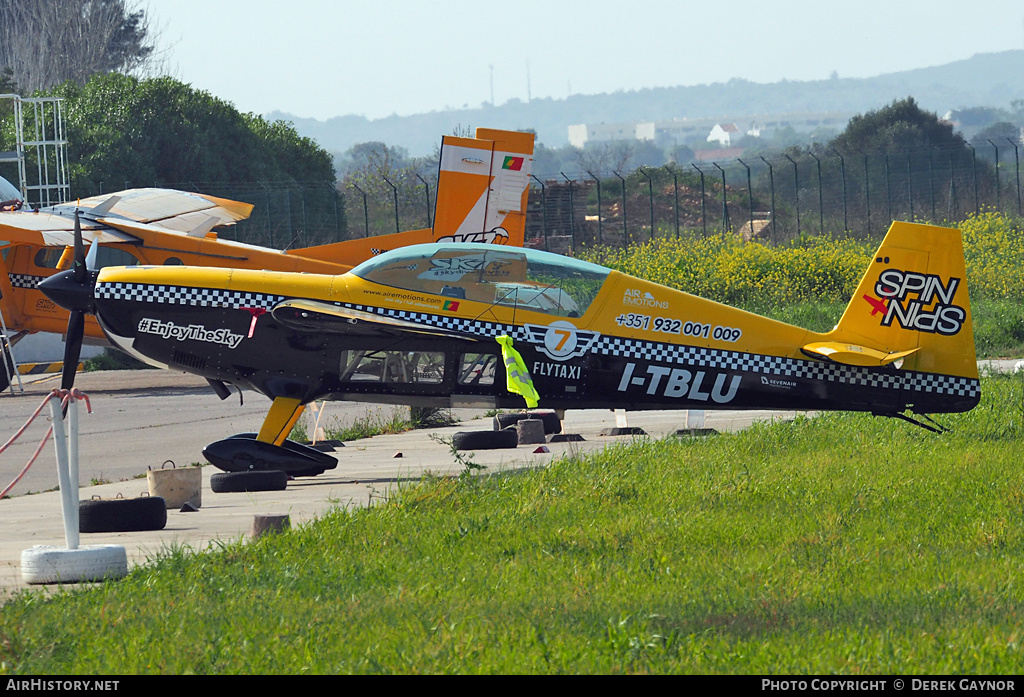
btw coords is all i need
(324, 58)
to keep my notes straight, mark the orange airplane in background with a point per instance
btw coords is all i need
(482, 190)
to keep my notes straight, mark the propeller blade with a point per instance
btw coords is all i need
(90, 258)
(72, 349)
(73, 290)
(79, 263)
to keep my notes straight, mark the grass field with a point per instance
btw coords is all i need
(844, 543)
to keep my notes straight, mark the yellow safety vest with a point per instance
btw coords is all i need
(518, 378)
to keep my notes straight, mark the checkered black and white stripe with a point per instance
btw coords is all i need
(178, 295)
(757, 364)
(785, 367)
(605, 345)
(485, 330)
(24, 280)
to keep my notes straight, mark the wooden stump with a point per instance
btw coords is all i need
(530, 431)
(264, 524)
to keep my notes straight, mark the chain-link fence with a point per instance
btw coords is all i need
(382, 206)
(775, 198)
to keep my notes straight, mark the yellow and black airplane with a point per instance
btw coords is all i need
(420, 325)
(482, 191)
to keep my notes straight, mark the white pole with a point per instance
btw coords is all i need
(68, 503)
(318, 432)
(73, 465)
(620, 419)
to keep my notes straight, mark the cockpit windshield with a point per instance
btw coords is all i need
(511, 276)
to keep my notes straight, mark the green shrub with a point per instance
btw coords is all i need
(115, 359)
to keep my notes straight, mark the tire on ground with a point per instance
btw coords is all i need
(485, 440)
(6, 364)
(48, 564)
(552, 424)
(255, 480)
(122, 515)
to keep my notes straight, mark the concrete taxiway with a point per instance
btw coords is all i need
(142, 418)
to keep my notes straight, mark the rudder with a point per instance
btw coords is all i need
(483, 187)
(912, 303)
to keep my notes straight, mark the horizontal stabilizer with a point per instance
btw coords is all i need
(105, 207)
(852, 354)
(204, 227)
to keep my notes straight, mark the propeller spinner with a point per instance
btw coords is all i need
(73, 290)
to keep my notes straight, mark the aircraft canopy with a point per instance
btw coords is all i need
(525, 278)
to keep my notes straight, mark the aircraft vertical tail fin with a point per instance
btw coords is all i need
(482, 187)
(910, 305)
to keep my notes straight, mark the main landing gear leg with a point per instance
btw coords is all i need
(270, 449)
(280, 420)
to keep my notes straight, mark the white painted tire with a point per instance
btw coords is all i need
(47, 564)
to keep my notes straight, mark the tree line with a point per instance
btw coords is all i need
(128, 131)
(124, 130)
(47, 42)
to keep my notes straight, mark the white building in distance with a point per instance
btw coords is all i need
(693, 131)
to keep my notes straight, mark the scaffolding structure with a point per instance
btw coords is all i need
(39, 150)
(42, 157)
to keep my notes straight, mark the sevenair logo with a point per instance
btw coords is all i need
(496, 236)
(560, 340)
(642, 298)
(921, 302)
(454, 268)
(680, 383)
(195, 332)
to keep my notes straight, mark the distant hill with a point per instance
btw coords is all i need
(985, 79)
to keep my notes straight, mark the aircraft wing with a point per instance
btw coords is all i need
(167, 208)
(53, 230)
(316, 316)
(125, 216)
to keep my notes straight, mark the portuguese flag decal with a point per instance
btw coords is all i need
(513, 163)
